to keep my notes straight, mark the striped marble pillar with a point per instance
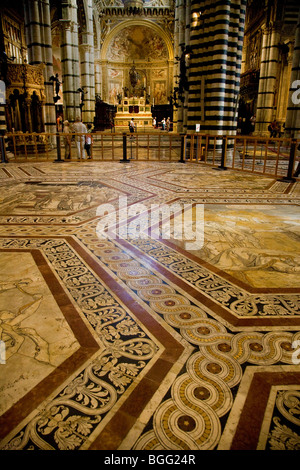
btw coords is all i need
(178, 39)
(50, 113)
(292, 123)
(39, 44)
(88, 66)
(3, 127)
(3, 130)
(33, 31)
(187, 42)
(87, 78)
(217, 30)
(182, 9)
(2, 119)
(70, 60)
(265, 110)
(98, 75)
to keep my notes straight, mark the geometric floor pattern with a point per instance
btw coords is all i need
(120, 331)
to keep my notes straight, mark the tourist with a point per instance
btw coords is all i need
(272, 128)
(252, 123)
(297, 172)
(131, 127)
(163, 124)
(88, 141)
(168, 124)
(278, 129)
(239, 126)
(154, 123)
(67, 140)
(79, 128)
(59, 123)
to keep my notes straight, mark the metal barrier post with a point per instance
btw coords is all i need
(222, 167)
(182, 148)
(289, 178)
(125, 160)
(59, 159)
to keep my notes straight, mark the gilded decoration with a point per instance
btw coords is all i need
(25, 98)
(145, 47)
(137, 43)
(26, 78)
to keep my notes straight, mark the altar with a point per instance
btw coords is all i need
(136, 108)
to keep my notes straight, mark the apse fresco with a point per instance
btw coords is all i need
(137, 42)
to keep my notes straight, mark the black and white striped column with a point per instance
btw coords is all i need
(3, 130)
(87, 78)
(3, 127)
(181, 40)
(39, 45)
(267, 80)
(70, 60)
(98, 75)
(292, 123)
(87, 65)
(216, 39)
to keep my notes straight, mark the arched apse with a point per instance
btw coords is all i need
(145, 45)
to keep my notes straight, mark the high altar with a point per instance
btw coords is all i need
(136, 108)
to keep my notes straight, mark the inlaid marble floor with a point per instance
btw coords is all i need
(122, 330)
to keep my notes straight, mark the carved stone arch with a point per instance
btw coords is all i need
(146, 45)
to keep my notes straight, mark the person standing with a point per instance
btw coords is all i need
(252, 123)
(168, 124)
(79, 129)
(131, 127)
(67, 139)
(297, 172)
(59, 123)
(163, 124)
(272, 129)
(154, 123)
(278, 129)
(88, 141)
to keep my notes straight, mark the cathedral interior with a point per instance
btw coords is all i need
(159, 307)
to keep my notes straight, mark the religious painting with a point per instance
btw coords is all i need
(160, 92)
(159, 74)
(115, 85)
(137, 42)
(114, 91)
(115, 73)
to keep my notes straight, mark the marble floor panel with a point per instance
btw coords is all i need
(146, 307)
